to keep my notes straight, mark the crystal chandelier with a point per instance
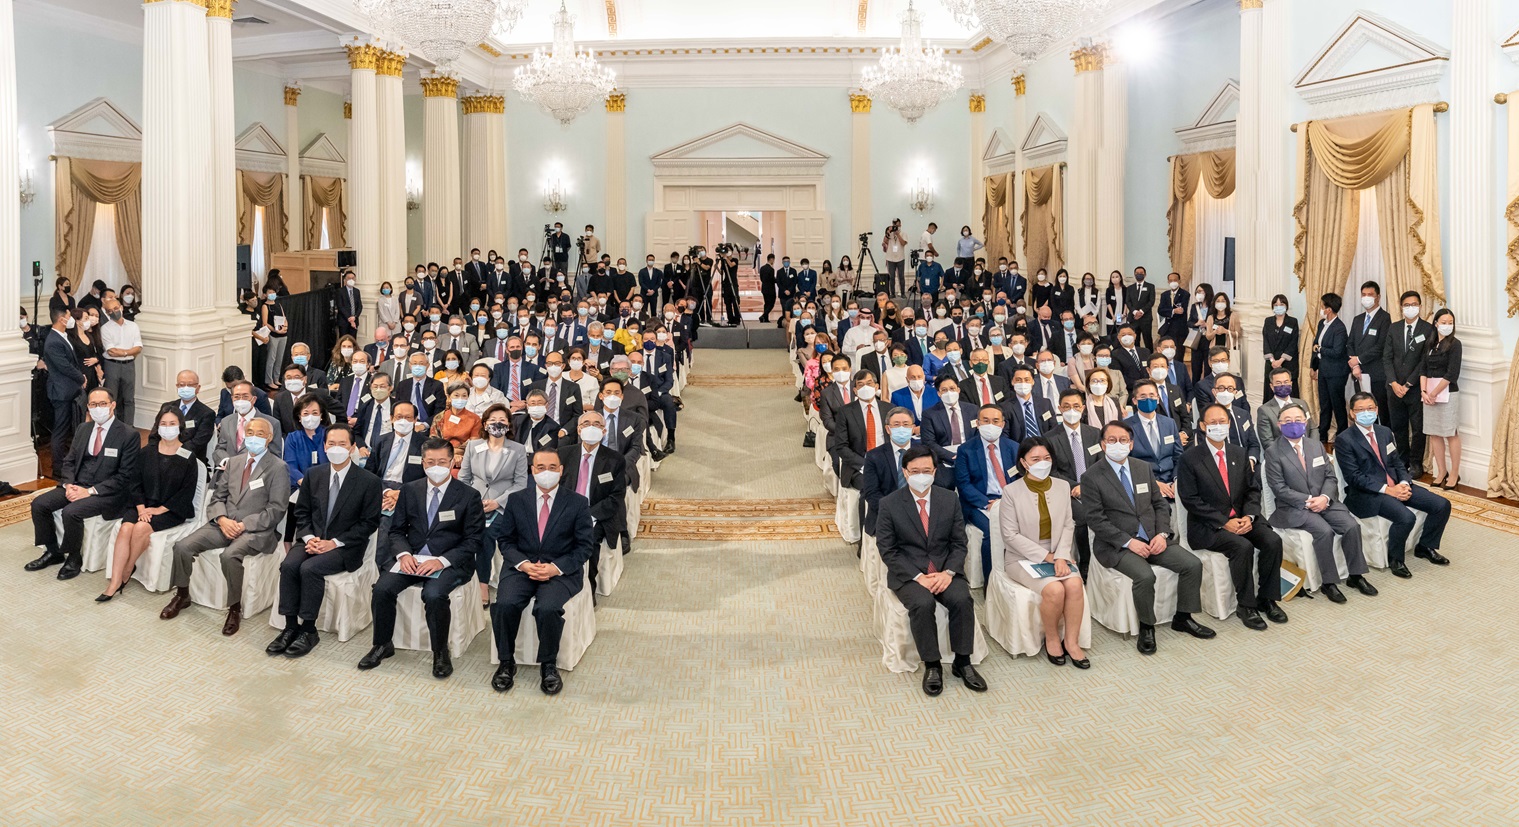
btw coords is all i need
(562, 81)
(911, 78)
(1028, 28)
(440, 30)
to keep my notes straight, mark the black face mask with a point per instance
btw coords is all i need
(514, 355)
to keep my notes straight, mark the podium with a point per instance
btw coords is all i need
(305, 271)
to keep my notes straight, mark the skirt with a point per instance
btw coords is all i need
(1443, 419)
(1018, 574)
(159, 522)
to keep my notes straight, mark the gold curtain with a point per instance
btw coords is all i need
(995, 222)
(267, 190)
(82, 184)
(1181, 218)
(1503, 468)
(1044, 219)
(324, 196)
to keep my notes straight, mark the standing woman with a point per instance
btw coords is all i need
(966, 247)
(129, 306)
(1037, 526)
(85, 337)
(1040, 294)
(163, 496)
(62, 298)
(410, 300)
(1438, 388)
(1063, 296)
(1197, 320)
(495, 466)
(1223, 325)
(271, 314)
(388, 308)
(1280, 341)
(845, 277)
(1113, 311)
(1088, 298)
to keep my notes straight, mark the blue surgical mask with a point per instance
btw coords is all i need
(503, 334)
(820, 348)
(1068, 324)
(852, 312)
(418, 371)
(1366, 419)
(796, 311)
(385, 291)
(530, 351)
(606, 337)
(996, 340)
(300, 360)
(271, 296)
(255, 445)
(186, 394)
(635, 370)
(1148, 405)
(901, 435)
(1104, 361)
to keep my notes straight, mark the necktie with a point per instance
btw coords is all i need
(1366, 325)
(1049, 391)
(844, 391)
(1030, 422)
(986, 392)
(184, 411)
(1223, 470)
(1371, 437)
(923, 515)
(247, 472)
(353, 395)
(1128, 488)
(242, 431)
(554, 398)
(1300, 460)
(1153, 436)
(375, 424)
(432, 505)
(1408, 337)
(870, 426)
(610, 440)
(1077, 454)
(1134, 354)
(583, 482)
(898, 469)
(514, 390)
(995, 464)
(543, 516)
(1165, 401)
(332, 496)
(99, 441)
(954, 426)
(501, 350)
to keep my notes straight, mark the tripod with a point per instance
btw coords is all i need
(860, 272)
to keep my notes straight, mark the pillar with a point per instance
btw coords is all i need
(977, 164)
(364, 174)
(1251, 243)
(1112, 153)
(484, 185)
(391, 130)
(440, 167)
(295, 199)
(615, 234)
(18, 462)
(1084, 151)
(224, 182)
(860, 218)
(1020, 126)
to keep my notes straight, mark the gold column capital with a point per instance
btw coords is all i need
(440, 86)
(490, 50)
(220, 8)
(859, 103)
(978, 103)
(363, 56)
(292, 94)
(617, 102)
(1020, 85)
(347, 110)
(1250, 5)
(1089, 58)
(390, 64)
(483, 104)
(202, 3)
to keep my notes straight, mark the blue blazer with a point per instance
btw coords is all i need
(902, 398)
(971, 471)
(1162, 457)
(935, 434)
(1013, 284)
(1364, 475)
(881, 476)
(567, 540)
(1332, 359)
(501, 378)
(1012, 412)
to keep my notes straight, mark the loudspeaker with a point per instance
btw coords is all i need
(348, 258)
(244, 267)
(1228, 259)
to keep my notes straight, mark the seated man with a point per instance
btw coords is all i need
(598, 472)
(242, 520)
(1227, 393)
(917, 397)
(438, 527)
(96, 478)
(337, 509)
(1074, 445)
(859, 427)
(883, 466)
(1131, 523)
(546, 536)
(1301, 479)
(1156, 438)
(1266, 416)
(1222, 495)
(945, 427)
(921, 536)
(1377, 484)
(1173, 400)
(983, 465)
(199, 419)
(231, 430)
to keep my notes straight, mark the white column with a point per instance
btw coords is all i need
(224, 182)
(484, 184)
(440, 167)
(18, 462)
(1084, 150)
(977, 188)
(1112, 156)
(295, 201)
(391, 127)
(1475, 247)
(1020, 126)
(860, 219)
(364, 175)
(615, 236)
(1250, 243)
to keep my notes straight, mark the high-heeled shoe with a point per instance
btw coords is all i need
(106, 597)
(1058, 660)
(1451, 483)
(1436, 482)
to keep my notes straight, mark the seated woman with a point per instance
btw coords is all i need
(163, 496)
(453, 371)
(495, 466)
(305, 446)
(1038, 526)
(1102, 406)
(456, 424)
(481, 395)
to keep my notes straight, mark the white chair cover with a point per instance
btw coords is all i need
(899, 653)
(846, 514)
(1218, 597)
(261, 581)
(346, 600)
(155, 568)
(579, 630)
(645, 475)
(608, 569)
(97, 543)
(633, 510)
(871, 567)
(1111, 597)
(1297, 546)
(1012, 617)
(467, 619)
(973, 573)
(1375, 530)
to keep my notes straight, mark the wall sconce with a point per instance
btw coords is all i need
(555, 199)
(921, 199)
(28, 192)
(413, 196)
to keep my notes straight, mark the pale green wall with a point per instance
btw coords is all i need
(536, 143)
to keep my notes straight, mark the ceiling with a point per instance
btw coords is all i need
(282, 20)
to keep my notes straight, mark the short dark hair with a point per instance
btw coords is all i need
(1117, 423)
(1069, 392)
(1332, 301)
(947, 377)
(1372, 286)
(231, 373)
(437, 443)
(1217, 351)
(550, 451)
(341, 428)
(1029, 443)
(1211, 407)
(918, 452)
(1280, 372)
(1360, 396)
(988, 407)
(1150, 383)
(1411, 294)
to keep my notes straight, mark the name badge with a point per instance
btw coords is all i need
(453, 420)
(190, 425)
(1371, 332)
(1318, 461)
(604, 478)
(1142, 488)
(1419, 338)
(1045, 416)
(364, 398)
(628, 431)
(482, 448)
(110, 452)
(183, 452)
(255, 485)
(997, 397)
(543, 440)
(313, 458)
(445, 516)
(1094, 449)
(414, 460)
(1286, 330)
(1391, 447)
(429, 400)
(1167, 440)
(1244, 426)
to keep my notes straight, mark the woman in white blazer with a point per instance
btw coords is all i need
(494, 465)
(1038, 527)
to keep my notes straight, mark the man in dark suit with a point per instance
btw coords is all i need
(1129, 356)
(513, 376)
(650, 279)
(767, 286)
(1131, 522)
(1041, 332)
(656, 379)
(1222, 495)
(984, 387)
(921, 537)
(419, 388)
(198, 418)
(477, 274)
(1403, 367)
(1377, 484)
(1171, 310)
(984, 465)
(945, 427)
(561, 396)
(371, 421)
(1218, 365)
(625, 422)
(1173, 400)
(350, 306)
(1026, 415)
(96, 477)
(337, 509)
(878, 359)
(533, 427)
(65, 381)
(1177, 371)
(599, 473)
(1227, 393)
(546, 536)
(1368, 345)
(1331, 365)
(1048, 385)
(1157, 439)
(883, 466)
(1139, 299)
(859, 427)
(435, 534)
(786, 284)
(231, 376)
(1074, 446)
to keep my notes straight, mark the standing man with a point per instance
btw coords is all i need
(1139, 298)
(786, 286)
(350, 306)
(122, 341)
(1403, 367)
(926, 241)
(65, 381)
(1368, 346)
(1331, 365)
(767, 286)
(895, 248)
(1172, 309)
(559, 248)
(650, 280)
(592, 244)
(930, 275)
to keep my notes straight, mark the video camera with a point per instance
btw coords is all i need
(724, 248)
(548, 230)
(865, 238)
(916, 255)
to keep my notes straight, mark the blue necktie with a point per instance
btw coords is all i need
(1030, 424)
(416, 399)
(1165, 402)
(432, 513)
(1128, 488)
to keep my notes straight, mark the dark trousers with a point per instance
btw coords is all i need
(896, 277)
(435, 592)
(1401, 514)
(730, 302)
(45, 533)
(921, 605)
(666, 407)
(1332, 404)
(1406, 419)
(303, 582)
(487, 558)
(513, 594)
(64, 419)
(1260, 545)
(1144, 331)
(1141, 572)
(768, 293)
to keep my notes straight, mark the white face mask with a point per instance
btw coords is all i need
(1224, 398)
(591, 434)
(916, 385)
(168, 432)
(990, 433)
(611, 403)
(295, 385)
(1071, 415)
(920, 482)
(1023, 388)
(1221, 305)
(880, 347)
(1046, 368)
(1158, 374)
(437, 473)
(1173, 284)
(1099, 388)
(1118, 451)
(403, 426)
(1219, 367)
(841, 376)
(1445, 329)
(480, 382)
(555, 370)
(537, 411)
(950, 398)
(337, 455)
(1368, 302)
(866, 392)
(577, 364)
(1127, 341)
(1169, 352)
(1040, 470)
(1410, 311)
(242, 406)
(1218, 433)
(1086, 350)
(546, 479)
(311, 422)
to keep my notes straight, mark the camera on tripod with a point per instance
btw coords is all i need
(548, 230)
(695, 251)
(865, 237)
(916, 255)
(580, 243)
(724, 248)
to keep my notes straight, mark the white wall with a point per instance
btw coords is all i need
(538, 147)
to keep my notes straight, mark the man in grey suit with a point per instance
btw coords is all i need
(232, 430)
(1306, 491)
(243, 520)
(1266, 415)
(456, 338)
(1131, 522)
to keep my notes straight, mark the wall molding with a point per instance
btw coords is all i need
(729, 152)
(322, 159)
(1409, 74)
(1000, 155)
(1045, 142)
(97, 131)
(259, 151)
(1214, 129)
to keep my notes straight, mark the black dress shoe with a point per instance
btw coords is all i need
(375, 655)
(1432, 555)
(1081, 663)
(303, 644)
(71, 568)
(1400, 569)
(282, 641)
(1146, 639)
(1273, 612)
(1332, 592)
(1058, 660)
(933, 681)
(973, 679)
(550, 682)
(1362, 585)
(1251, 619)
(1185, 623)
(48, 558)
(442, 667)
(505, 677)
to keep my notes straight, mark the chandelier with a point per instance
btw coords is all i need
(1028, 28)
(911, 78)
(440, 30)
(562, 81)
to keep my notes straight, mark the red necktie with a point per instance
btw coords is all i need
(923, 515)
(996, 464)
(986, 392)
(543, 516)
(1371, 437)
(99, 441)
(1223, 471)
(870, 426)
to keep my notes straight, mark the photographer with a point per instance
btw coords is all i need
(559, 246)
(699, 285)
(590, 246)
(895, 247)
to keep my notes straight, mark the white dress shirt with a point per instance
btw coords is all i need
(123, 335)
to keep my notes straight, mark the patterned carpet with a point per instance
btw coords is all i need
(738, 682)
